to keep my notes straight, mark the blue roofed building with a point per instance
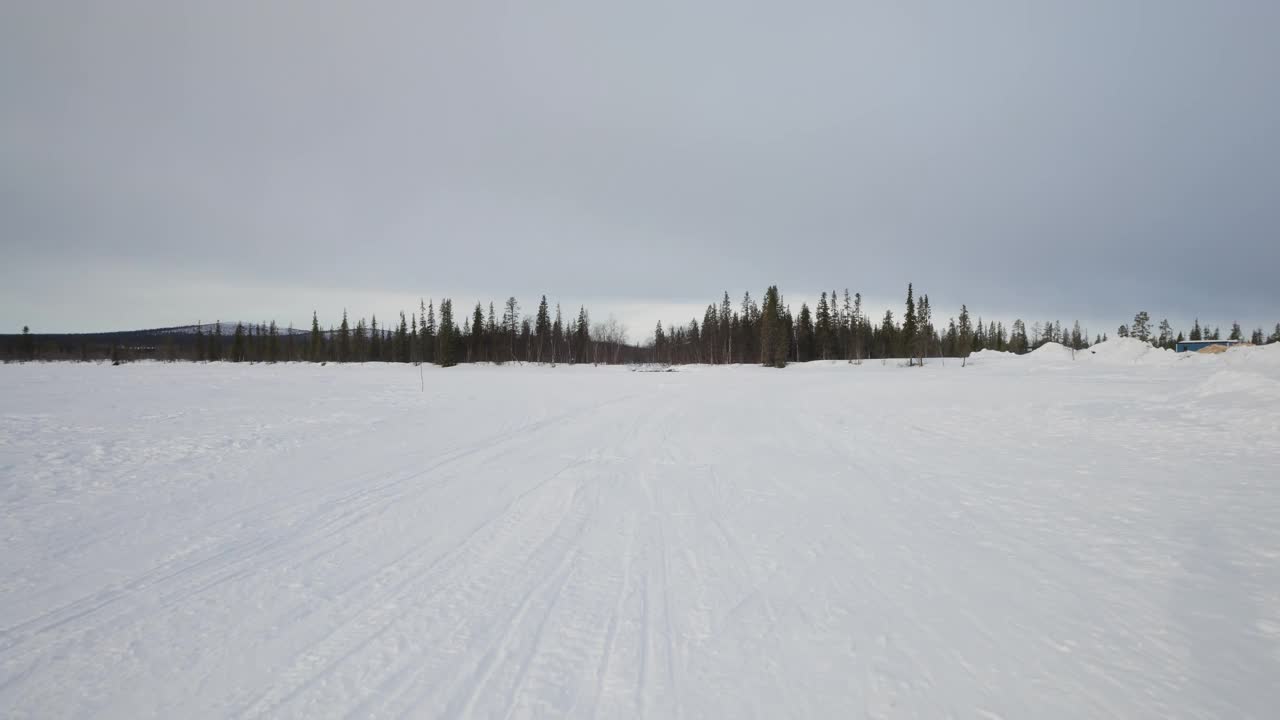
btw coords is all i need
(1197, 345)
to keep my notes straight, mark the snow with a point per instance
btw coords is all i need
(1026, 536)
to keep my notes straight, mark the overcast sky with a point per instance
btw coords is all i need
(167, 162)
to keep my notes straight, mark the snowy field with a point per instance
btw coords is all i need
(1024, 537)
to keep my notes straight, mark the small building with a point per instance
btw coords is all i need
(1198, 345)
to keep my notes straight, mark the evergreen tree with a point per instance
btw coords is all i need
(823, 330)
(238, 344)
(215, 342)
(1165, 339)
(726, 328)
(475, 349)
(402, 340)
(344, 339)
(28, 344)
(445, 335)
(273, 343)
(909, 326)
(964, 333)
(430, 342)
(582, 336)
(1196, 333)
(317, 339)
(773, 334)
(888, 341)
(1018, 341)
(1141, 326)
(806, 335)
(542, 327)
(201, 353)
(511, 325)
(1236, 333)
(557, 336)
(375, 340)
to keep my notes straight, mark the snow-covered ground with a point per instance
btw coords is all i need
(1025, 537)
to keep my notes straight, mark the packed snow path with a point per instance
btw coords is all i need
(1018, 538)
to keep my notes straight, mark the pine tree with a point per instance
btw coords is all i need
(924, 328)
(726, 328)
(215, 342)
(273, 342)
(1236, 333)
(317, 339)
(445, 335)
(909, 326)
(542, 327)
(28, 344)
(344, 339)
(238, 344)
(1165, 340)
(360, 341)
(402, 340)
(964, 333)
(582, 336)
(375, 340)
(475, 349)
(1141, 326)
(806, 335)
(430, 341)
(1019, 343)
(773, 334)
(201, 353)
(1196, 333)
(557, 336)
(823, 327)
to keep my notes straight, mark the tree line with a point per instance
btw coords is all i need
(769, 332)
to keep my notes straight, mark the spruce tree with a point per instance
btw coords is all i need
(201, 354)
(557, 336)
(215, 342)
(273, 343)
(806, 336)
(475, 348)
(445, 335)
(317, 339)
(774, 336)
(823, 327)
(542, 328)
(238, 344)
(344, 339)
(964, 333)
(909, 326)
(430, 341)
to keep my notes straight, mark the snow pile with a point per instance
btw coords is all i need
(1260, 358)
(983, 357)
(1129, 351)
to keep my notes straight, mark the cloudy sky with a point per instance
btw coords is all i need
(166, 162)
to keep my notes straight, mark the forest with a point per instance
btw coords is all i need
(769, 332)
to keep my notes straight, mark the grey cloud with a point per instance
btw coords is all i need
(1053, 160)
